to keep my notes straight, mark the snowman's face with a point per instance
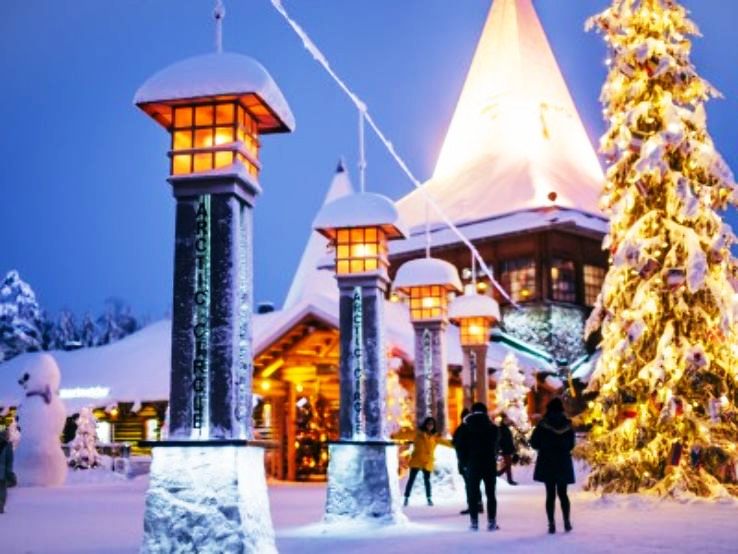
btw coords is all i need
(41, 375)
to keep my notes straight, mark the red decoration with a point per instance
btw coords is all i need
(676, 454)
(675, 278)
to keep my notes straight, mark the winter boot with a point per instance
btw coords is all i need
(465, 512)
(407, 501)
(474, 526)
(492, 525)
(430, 502)
(551, 528)
(567, 526)
(513, 483)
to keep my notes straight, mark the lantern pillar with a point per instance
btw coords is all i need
(363, 467)
(431, 373)
(207, 488)
(474, 375)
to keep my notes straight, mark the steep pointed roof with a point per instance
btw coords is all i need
(516, 136)
(308, 278)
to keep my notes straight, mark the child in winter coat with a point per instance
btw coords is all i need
(507, 449)
(7, 477)
(425, 439)
(553, 437)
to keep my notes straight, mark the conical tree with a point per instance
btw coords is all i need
(83, 451)
(665, 418)
(511, 395)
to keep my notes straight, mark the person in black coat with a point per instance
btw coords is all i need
(462, 470)
(507, 449)
(553, 437)
(476, 447)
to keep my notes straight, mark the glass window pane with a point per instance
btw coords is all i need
(203, 115)
(357, 235)
(183, 117)
(343, 236)
(371, 264)
(223, 159)
(342, 252)
(343, 267)
(563, 280)
(371, 234)
(203, 138)
(357, 266)
(203, 162)
(181, 164)
(593, 279)
(223, 135)
(224, 113)
(182, 140)
(519, 278)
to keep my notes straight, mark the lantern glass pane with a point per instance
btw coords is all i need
(223, 159)
(225, 114)
(203, 115)
(357, 235)
(203, 162)
(223, 135)
(183, 117)
(203, 138)
(182, 140)
(181, 164)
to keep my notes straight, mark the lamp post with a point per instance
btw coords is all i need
(427, 284)
(208, 490)
(363, 465)
(475, 314)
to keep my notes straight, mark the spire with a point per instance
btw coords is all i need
(515, 140)
(308, 278)
(219, 14)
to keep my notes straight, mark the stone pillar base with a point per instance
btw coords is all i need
(208, 499)
(363, 484)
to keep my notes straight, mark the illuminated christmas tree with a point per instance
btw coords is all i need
(82, 450)
(512, 398)
(665, 419)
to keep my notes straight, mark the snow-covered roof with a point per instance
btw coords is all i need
(473, 304)
(427, 271)
(309, 277)
(583, 369)
(362, 209)
(506, 224)
(219, 74)
(516, 136)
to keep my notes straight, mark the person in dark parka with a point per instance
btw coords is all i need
(553, 438)
(6, 468)
(462, 470)
(507, 449)
(476, 447)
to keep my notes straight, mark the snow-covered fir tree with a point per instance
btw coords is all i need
(398, 405)
(88, 332)
(82, 450)
(67, 336)
(665, 419)
(511, 394)
(21, 320)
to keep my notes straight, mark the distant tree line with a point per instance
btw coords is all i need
(25, 327)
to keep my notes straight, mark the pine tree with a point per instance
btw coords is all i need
(88, 332)
(665, 419)
(512, 397)
(20, 318)
(67, 334)
(83, 452)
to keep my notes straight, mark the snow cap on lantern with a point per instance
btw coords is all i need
(475, 314)
(427, 282)
(215, 106)
(359, 225)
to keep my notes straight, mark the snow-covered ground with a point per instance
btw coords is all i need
(103, 513)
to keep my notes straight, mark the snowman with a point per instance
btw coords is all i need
(39, 460)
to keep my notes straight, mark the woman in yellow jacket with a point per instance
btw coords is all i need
(425, 440)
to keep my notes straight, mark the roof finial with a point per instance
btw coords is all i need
(219, 14)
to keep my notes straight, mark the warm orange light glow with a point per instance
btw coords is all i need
(474, 330)
(213, 136)
(360, 250)
(266, 385)
(428, 302)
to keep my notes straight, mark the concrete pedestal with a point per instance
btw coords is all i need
(431, 374)
(208, 499)
(363, 483)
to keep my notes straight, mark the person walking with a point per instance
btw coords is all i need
(553, 438)
(507, 449)
(425, 439)
(462, 470)
(477, 450)
(7, 477)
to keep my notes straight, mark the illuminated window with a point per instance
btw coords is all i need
(225, 130)
(428, 302)
(359, 250)
(593, 278)
(563, 280)
(474, 331)
(104, 432)
(152, 429)
(519, 279)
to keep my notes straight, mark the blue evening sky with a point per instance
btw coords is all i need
(85, 211)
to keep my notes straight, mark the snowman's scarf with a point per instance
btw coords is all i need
(45, 394)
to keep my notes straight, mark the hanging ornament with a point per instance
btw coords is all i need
(675, 456)
(649, 268)
(675, 278)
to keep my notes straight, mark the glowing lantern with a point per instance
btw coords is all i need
(359, 226)
(474, 314)
(215, 107)
(427, 283)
